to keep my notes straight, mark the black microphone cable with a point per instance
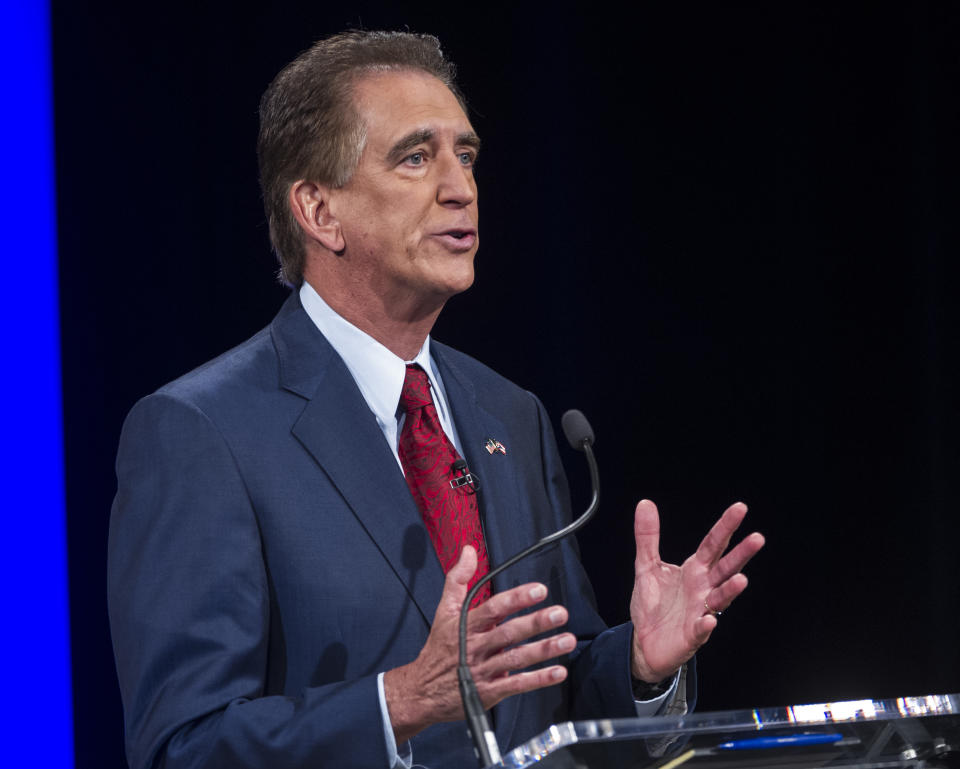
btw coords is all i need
(580, 436)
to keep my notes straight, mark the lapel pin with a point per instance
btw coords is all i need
(495, 447)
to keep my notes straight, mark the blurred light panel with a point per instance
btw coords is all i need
(35, 642)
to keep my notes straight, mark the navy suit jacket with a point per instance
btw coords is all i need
(266, 562)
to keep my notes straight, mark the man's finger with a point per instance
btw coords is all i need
(723, 595)
(524, 656)
(492, 692)
(703, 628)
(499, 606)
(458, 578)
(646, 532)
(736, 559)
(519, 629)
(717, 539)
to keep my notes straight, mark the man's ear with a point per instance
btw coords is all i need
(310, 203)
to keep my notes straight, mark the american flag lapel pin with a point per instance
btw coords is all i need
(495, 447)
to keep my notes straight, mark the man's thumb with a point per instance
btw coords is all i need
(461, 572)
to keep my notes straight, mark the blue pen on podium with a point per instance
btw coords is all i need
(754, 743)
(782, 741)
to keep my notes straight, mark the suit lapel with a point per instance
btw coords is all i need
(342, 434)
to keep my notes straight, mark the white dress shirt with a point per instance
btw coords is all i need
(379, 374)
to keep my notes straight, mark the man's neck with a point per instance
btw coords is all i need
(400, 326)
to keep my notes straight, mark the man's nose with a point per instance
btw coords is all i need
(455, 186)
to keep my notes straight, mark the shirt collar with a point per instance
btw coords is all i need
(378, 372)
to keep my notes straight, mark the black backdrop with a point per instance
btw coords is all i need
(724, 231)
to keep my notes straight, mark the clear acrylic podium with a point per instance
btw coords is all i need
(874, 734)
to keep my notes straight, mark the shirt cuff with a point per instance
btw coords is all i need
(653, 707)
(402, 759)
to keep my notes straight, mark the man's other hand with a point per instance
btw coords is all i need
(426, 691)
(674, 608)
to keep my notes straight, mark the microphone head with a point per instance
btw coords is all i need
(577, 429)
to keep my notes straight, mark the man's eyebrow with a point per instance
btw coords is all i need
(424, 136)
(399, 150)
(469, 139)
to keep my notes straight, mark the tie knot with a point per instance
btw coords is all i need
(416, 389)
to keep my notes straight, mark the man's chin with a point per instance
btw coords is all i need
(455, 281)
(463, 284)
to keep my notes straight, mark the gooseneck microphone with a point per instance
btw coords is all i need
(577, 429)
(578, 432)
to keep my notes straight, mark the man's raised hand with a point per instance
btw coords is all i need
(425, 691)
(673, 607)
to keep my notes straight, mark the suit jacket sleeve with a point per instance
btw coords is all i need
(189, 607)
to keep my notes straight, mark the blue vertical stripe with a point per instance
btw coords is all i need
(35, 640)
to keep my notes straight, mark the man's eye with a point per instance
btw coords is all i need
(467, 158)
(416, 159)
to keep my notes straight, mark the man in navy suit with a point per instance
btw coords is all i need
(275, 599)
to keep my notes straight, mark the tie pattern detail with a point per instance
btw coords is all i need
(451, 516)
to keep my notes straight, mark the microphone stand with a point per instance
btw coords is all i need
(484, 740)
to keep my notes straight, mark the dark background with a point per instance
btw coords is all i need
(725, 231)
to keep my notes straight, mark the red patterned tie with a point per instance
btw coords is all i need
(450, 515)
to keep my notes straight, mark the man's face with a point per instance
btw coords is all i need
(409, 213)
